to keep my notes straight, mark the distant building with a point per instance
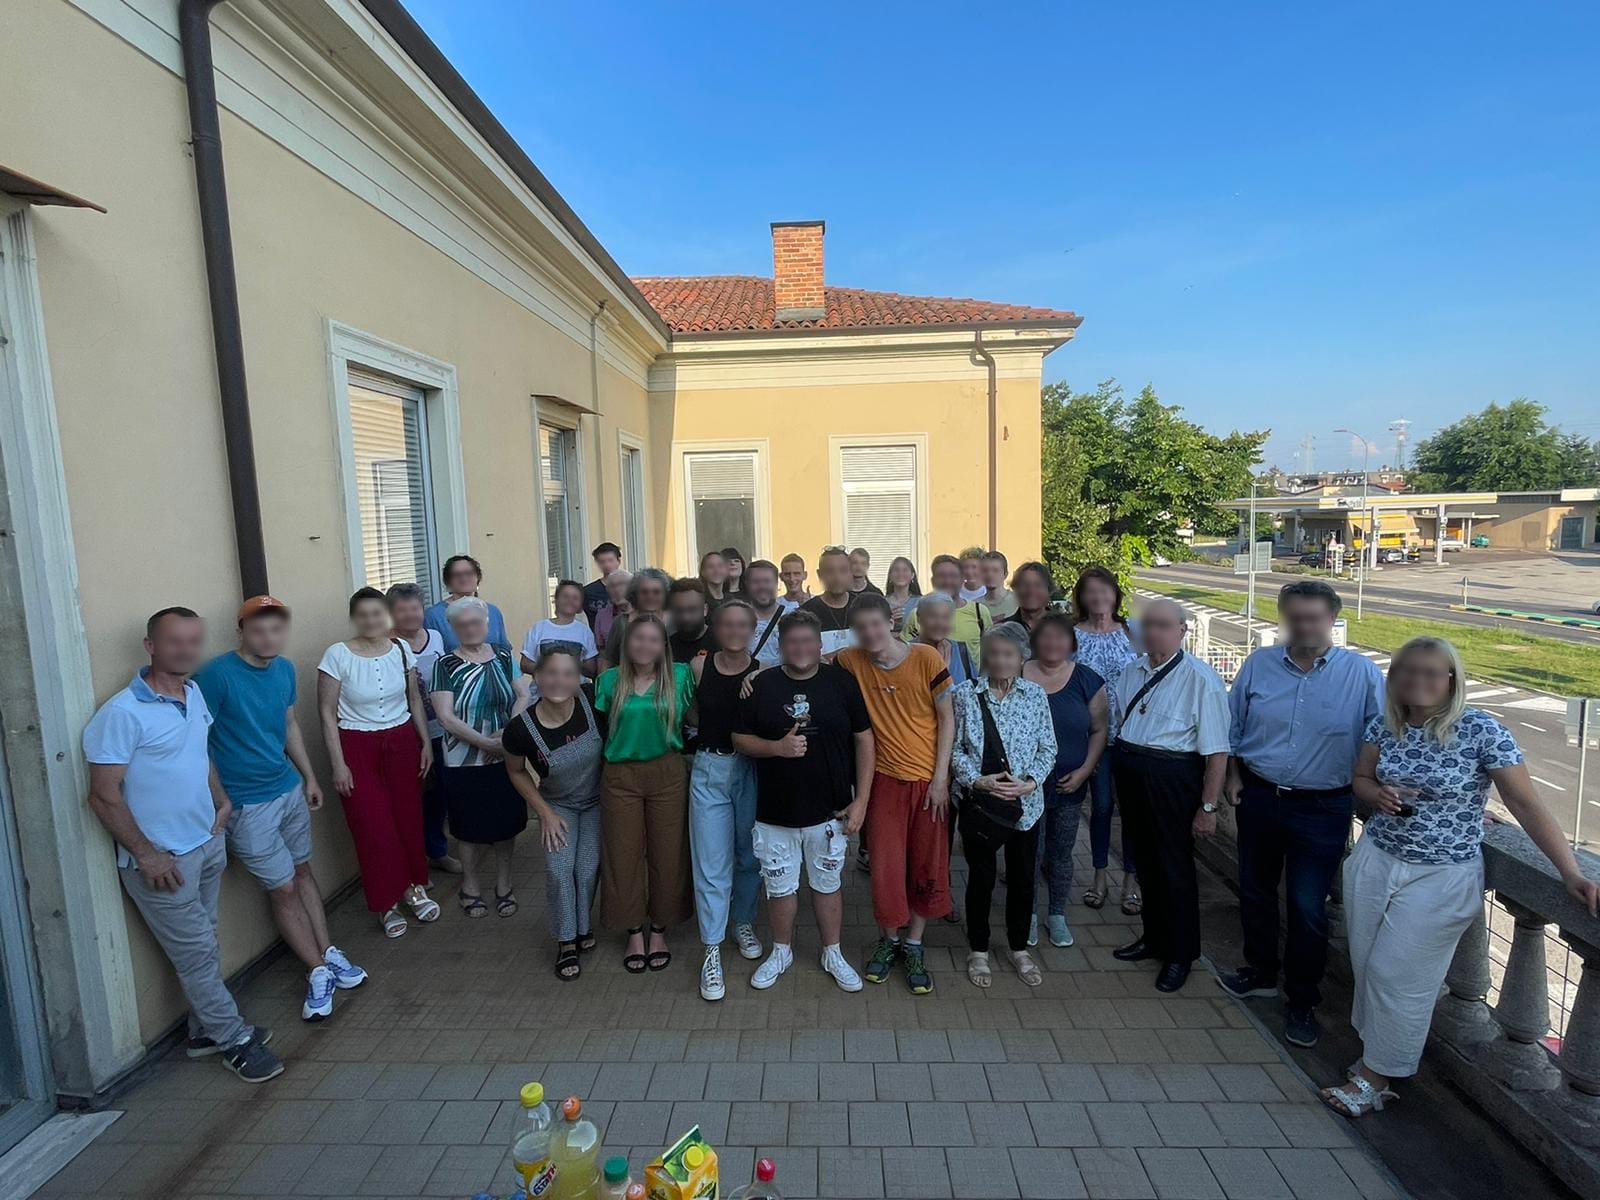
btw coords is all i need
(1387, 478)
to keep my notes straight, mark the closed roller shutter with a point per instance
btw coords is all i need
(722, 502)
(880, 502)
(393, 493)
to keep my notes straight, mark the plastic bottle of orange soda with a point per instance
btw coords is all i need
(575, 1149)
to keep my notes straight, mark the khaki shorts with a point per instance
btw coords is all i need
(272, 838)
(781, 850)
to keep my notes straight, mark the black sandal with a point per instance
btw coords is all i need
(472, 905)
(634, 964)
(659, 960)
(506, 905)
(568, 967)
(586, 943)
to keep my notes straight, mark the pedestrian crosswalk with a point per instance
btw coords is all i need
(1480, 692)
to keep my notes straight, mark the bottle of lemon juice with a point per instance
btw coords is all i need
(530, 1145)
(575, 1150)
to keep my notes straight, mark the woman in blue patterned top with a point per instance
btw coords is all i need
(1415, 880)
(476, 690)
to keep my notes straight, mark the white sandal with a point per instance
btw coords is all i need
(394, 923)
(978, 969)
(423, 906)
(1357, 1099)
(1027, 970)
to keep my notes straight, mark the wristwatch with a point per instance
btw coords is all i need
(1208, 807)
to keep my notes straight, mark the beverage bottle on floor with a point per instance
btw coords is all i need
(763, 1188)
(616, 1181)
(635, 1192)
(575, 1149)
(530, 1144)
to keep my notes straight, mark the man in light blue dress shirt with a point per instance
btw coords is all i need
(1298, 713)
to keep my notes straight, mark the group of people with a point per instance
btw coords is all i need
(690, 744)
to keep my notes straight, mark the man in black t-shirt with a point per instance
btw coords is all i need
(691, 633)
(832, 607)
(805, 724)
(607, 558)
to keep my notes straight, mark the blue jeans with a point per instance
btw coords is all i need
(1300, 840)
(1103, 802)
(722, 814)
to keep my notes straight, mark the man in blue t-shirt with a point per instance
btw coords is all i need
(260, 756)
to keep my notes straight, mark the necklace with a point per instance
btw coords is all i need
(1144, 700)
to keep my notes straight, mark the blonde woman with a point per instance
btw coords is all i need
(1415, 879)
(644, 828)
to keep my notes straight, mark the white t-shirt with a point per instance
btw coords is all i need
(973, 593)
(423, 660)
(372, 691)
(575, 633)
(767, 655)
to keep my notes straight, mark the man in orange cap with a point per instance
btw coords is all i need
(260, 755)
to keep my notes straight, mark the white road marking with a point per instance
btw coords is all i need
(1548, 784)
(1535, 728)
(1545, 704)
(1494, 691)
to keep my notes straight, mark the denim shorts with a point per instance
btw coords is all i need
(272, 838)
(781, 850)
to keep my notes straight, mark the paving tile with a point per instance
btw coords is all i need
(870, 1045)
(789, 1081)
(273, 1171)
(345, 1121)
(758, 1122)
(1061, 1123)
(852, 1172)
(678, 1081)
(454, 1081)
(1016, 1081)
(1246, 1125)
(817, 1045)
(1047, 1174)
(976, 1045)
(814, 1124)
(1371, 1179)
(1180, 1175)
(995, 1124)
(711, 1045)
(465, 1170)
(982, 1172)
(640, 1123)
(286, 1121)
(903, 1081)
(940, 1123)
(764, 1045)
(1243, 1046)
(734, 1081)
(397, 1171)
(1247, 1174)
(403, 1081)
(621, 1081)
(879, 1123)
(1313, 1175)
(1308, 1127)
(1185, 1125)
(662, 1045)
(1029, 1046)
(461, 1122)
(340, 1170)
(846, 1081)
(1073, 1081)
(1131, 1081)
(403, 1122)
(1295, 1088)
(1084, 1046)
(1122, 1124)
(959, 1081)
(1115, 1174)
(923, 1045)
(710, 1115)
(913, 1174)
(1187, 1082)
(348, 1081)
(1245, 1081)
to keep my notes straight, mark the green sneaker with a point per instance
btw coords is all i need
(917, 977)
(882, 960)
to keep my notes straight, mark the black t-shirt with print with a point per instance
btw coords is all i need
(800, 792)
(517, 740)
(833, 619)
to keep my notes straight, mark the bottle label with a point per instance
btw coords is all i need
(538, 1177)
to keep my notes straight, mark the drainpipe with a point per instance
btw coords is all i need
(983, 358)
(199, 77)
(594, 403)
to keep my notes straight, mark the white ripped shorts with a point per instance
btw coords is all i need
(781, 849)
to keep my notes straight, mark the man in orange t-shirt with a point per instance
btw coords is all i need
(907, 690)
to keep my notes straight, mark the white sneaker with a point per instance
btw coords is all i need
(749, 943)
(711, 984)
(779, 961)
(345, 973)
(843, 973)
(319, 994)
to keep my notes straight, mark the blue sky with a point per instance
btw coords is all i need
(1284, 215)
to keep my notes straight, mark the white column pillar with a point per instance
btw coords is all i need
(1519, 1061)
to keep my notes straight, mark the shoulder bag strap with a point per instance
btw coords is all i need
(767, 632)
(1155, 679)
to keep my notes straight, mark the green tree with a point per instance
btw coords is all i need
(1504, 448)
(1117, 470)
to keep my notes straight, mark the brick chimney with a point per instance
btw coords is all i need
(797, 270)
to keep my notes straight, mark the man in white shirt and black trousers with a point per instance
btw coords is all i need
(1169, 762)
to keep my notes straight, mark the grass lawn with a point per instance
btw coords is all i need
(1543, 664)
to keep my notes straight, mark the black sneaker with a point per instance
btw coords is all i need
(204, 1047)
(1247, 981)
(1301, 1028)
(882, 960)
(917, 977)
(252, 1062)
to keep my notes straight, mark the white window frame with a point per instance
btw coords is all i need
(445, 477)
(919, 441)
(570, 421)
(690, 564)
(635, 509)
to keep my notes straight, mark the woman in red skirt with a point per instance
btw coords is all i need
(377, 737)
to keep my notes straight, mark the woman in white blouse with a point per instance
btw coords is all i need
(377, 737)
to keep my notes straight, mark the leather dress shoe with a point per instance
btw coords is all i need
(1135, 951)
(1173, 976)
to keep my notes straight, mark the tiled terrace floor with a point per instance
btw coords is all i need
(1092, 1085)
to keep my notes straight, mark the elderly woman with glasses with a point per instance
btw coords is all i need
(647, 593)
(476, 689)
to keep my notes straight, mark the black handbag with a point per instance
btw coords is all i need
(1005, 811)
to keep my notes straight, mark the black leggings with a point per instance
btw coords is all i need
(983, 840)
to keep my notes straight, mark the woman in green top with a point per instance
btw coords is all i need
(644, 793)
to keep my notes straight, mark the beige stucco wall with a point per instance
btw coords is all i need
(131, 360)
(1533, 525)
(796, 422)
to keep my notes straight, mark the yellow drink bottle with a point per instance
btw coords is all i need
(575, 1148)
(530, 1144)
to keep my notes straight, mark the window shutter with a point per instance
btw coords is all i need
(722, 476)
(389, 444)
(722, 501)
(880, 501)
(557, 448)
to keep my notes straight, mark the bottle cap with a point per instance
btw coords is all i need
(766, 1170)
(635, 1192)
(532, 1095)
(693, 1157)
(572, 1108)
(616, 1169)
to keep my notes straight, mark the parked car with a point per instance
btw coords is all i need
(1160, 560)
(1452, 543)
(1479, 542)
(1314, 558)
(1391, 554)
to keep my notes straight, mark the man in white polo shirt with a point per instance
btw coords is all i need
(152, 786)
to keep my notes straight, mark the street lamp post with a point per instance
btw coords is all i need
(1369, 550)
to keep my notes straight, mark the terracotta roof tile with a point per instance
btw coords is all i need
(743, 303)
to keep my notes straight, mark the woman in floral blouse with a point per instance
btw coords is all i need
(1005, 747)
(1415, 880)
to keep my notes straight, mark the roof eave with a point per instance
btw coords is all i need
(1068, 323)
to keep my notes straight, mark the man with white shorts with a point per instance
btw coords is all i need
(260, 755)
(805, 724)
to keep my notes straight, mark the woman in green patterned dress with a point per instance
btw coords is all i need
(476, 690)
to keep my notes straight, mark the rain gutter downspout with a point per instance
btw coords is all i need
(222, 286)
(982, 357)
